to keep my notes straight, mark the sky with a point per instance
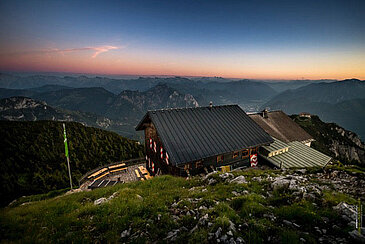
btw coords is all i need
(235, 39)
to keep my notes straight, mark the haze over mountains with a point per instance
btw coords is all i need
(120, 103)
(342, 102)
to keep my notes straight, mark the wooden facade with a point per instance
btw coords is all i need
(157, 161)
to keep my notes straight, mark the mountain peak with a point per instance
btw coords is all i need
(353, 80)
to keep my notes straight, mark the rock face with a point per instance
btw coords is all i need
(354, 152)
(160, 96)
(28, 109)
(333, 140)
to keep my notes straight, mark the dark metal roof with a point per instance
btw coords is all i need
(190, 134)
(281, 126)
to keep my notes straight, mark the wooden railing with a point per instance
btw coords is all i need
(127, 163)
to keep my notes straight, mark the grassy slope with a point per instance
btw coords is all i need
(74, 218)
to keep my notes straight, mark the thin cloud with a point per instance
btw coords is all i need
(103, 50)
(97, 50)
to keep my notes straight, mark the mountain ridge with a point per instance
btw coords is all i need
(342, 102)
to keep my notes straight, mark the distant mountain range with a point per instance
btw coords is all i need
(93, 106)
(28, 109)
(124, 101)
(217, 90)
(342, 102)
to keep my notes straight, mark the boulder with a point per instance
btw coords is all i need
(203, 220)
(218, 233)
(115, 194)
(232, 241)
(226, 176)
(257, 178)
(357, 236)
(240, 240)
(224, 238)
(280, 183)
(207, 176)
(100, 201)
(309, 196)
(126, 233)
(239, 180)
(211, 181)
(288, 223)
(348, 211)
(232, 226)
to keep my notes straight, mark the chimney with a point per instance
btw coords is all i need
(210, 104)
(265, 114)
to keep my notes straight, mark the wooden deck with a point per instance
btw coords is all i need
(115, 175)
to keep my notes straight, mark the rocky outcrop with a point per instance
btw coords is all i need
(352, 148)
(333, 140)
(160, 96)
(297, 185)
(103, 200)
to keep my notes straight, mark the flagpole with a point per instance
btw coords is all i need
(67, 156)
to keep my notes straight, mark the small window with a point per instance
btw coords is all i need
(187, 166)
(253, 150)
(199, 164)
(235, 154)
(220, 159)
(245, 153)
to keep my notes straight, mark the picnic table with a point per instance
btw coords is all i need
(143, 170)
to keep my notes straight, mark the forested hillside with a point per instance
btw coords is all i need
(33, 161)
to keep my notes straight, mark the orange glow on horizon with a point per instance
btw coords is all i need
(251, 66)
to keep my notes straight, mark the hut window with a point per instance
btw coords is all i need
(220, 159)
(253, 150)
(198, 164)
(235, 154)
(187, 166)
(245, 153)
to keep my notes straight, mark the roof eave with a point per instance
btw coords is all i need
(140, 124)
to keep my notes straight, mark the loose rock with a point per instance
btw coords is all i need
(239, 180)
